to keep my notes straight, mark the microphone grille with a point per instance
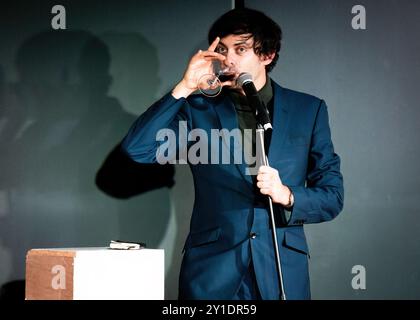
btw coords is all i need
(243, 78)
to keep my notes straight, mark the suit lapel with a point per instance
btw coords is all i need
(226, 113)
(280, 121)
(228, 120)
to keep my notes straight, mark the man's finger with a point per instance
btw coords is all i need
(265, 191)
(264, 169)
(264, 177)
(212, 54)
(213, 46)
(269, 172)
(228, 83)
(264, 184)
(211, 58)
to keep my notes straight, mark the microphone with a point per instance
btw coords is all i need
(245, 82)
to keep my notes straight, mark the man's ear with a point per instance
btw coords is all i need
(267, 58)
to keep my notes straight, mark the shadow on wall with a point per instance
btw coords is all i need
(13, 291)
(58, 124)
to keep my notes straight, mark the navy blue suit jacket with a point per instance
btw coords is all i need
(219, 248)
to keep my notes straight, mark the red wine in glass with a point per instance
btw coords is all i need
(227, 77)
(211, 84)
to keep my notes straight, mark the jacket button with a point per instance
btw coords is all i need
(252, 235)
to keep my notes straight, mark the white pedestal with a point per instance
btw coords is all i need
(95, 273)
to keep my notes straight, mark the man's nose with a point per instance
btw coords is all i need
(230, 59)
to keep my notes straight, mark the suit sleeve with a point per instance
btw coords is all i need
(154, 136)
(323, 196)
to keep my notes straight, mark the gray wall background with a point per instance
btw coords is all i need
(68, 97)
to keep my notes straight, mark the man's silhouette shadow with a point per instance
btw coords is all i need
(69, 125)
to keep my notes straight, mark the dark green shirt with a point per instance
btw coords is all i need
(246, 116)
(246, 120)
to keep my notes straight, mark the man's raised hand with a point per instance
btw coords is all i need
(200, 64)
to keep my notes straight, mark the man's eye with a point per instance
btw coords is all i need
(241, 49)
(220, 50)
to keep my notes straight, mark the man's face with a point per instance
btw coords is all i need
(240, 53)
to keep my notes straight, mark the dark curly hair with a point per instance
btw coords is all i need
(267, 34)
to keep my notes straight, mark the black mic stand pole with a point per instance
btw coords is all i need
(263, 123)
(261, 155)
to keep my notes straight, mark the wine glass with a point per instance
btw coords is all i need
(210, 84)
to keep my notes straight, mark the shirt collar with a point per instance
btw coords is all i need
(266, 94)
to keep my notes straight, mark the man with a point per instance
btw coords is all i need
(229, 251)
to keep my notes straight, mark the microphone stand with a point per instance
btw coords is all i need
(261, 155)
(263, 123)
